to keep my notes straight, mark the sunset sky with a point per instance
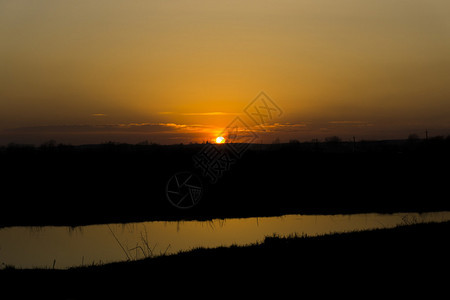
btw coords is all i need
(181, 70)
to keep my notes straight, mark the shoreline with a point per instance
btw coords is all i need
(218, 217)
(415, 251)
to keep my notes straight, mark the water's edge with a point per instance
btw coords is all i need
(62, 247)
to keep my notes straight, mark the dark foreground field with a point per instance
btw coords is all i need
(74, 185)
(407, 259)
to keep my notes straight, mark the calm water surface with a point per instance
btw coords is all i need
(63, 247)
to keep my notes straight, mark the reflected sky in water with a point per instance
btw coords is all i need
(63, 247)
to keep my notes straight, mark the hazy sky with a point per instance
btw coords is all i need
(175, 71)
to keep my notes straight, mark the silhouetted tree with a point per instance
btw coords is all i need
(143, 143)
(48, 144)
(333, 139)
(276, 141)
(413, 137)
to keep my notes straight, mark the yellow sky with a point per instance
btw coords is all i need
(374, 69)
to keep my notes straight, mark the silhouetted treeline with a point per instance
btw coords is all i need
(113, 182)
(328, 144)
(412, 144)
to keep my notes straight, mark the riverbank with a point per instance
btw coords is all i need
(417, 253)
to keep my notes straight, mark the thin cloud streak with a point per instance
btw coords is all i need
(127, 127)
(212, 113)
(285, 126)
(352, 123)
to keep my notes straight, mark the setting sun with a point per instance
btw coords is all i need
(220, 140)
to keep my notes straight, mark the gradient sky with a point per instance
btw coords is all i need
(178, 71)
